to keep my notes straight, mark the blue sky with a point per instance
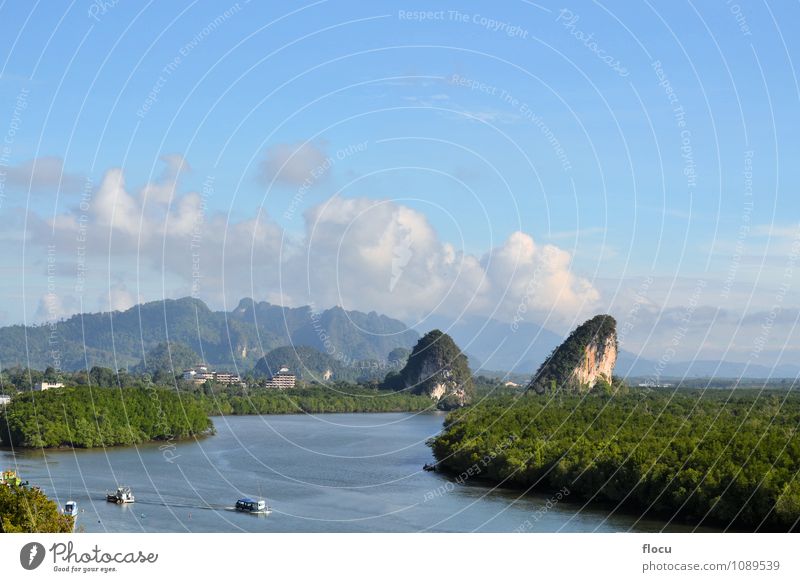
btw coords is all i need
(556, 120)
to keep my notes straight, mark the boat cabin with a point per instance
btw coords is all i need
(123, 495)
(251, 505)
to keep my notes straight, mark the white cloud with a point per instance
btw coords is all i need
(376, 254)
(42, 175)
(117, 298)
(157, 241)
(361, 253)
(163, 189)
(53, 307)
(293, 164)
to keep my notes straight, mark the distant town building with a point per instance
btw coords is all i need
(653, 385)
(511, 384)
(42, 386)
(227, 378)
(201, 373)
(4, 399)
(283, 380)
(198, 374)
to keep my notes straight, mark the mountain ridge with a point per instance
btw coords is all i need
(121, 339)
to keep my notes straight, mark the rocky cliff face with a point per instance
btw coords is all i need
(598, 363)
(586, 357)
(436, 368)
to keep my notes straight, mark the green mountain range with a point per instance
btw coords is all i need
(122, 339)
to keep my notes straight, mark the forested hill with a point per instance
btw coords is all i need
(243, 334)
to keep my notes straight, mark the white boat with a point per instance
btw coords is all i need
(71, 508)
(123, 495)
(255, 506)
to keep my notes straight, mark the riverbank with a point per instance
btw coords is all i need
(342, 398)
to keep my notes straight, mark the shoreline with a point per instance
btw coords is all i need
(13, 449)
(573, 500)
(212, 432)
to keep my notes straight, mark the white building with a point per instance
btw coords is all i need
(283, 380)
(228, 378)
(42, 386)
(653, 385)
(200, 374)
(4, 399)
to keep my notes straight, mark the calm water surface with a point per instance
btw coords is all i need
(324, 473)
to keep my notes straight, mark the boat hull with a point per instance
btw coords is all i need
(262, 512)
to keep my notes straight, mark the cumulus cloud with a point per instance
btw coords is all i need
(292, 164)
(53, 307)
(117, 298)
(42, 175)
(163, 189)
(156, 239)
(361, 253)
(376, 254)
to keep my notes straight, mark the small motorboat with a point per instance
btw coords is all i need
(429, 467)
(71, 508)
(122, 495)
(255, 506)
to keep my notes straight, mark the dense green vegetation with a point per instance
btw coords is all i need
(435, 360)
(26, 509)
(339, 397)
(557, 370)
(91, 417)
(728, 458)
(486, 387)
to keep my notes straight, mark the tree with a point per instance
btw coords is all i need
(50, 374)
(716, 456)
(27, 510)
(103, 377)
(88, 416)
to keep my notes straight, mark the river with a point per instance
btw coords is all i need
(323, 473)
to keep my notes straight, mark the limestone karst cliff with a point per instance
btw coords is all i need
(585, 358)
(436, 368)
